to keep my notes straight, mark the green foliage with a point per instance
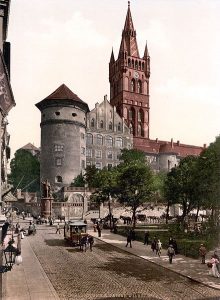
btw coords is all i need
(131, 155)
(25, 171)
(91, 176)
(79, 181)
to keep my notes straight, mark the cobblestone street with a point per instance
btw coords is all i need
(108, 273)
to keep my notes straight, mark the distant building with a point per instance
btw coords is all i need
(32, 149)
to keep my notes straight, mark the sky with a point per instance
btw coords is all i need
(70, 41)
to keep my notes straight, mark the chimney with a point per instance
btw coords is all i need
(204, 146)
(105, 97)
(171, 143)
(178, 143)
(156, 140)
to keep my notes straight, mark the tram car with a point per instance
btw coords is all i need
(74, 231)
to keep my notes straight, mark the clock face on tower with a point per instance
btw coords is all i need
(136, 75)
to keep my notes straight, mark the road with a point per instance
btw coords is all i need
(108, 272)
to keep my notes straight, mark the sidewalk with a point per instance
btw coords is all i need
(188, 267)
(28, 281)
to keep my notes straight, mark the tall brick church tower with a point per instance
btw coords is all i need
(129, 83)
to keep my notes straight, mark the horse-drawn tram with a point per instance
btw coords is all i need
(75, 232)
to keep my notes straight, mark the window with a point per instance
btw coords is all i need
(119, 126)
(98, 154)
(109, 141)
(101, 124)
(57, 113)
(83, 164)
(110, 166)
(110, 126)
(109, 155)
(58, 162)
(118, 142)
(98, 165)
(88, 152)
(88, 163)
(58, 148)
(83, 150)
(92, 124)
(118, 155)
(139, 87)
(89, 139)
(58, 178)
(132, 85)
(82, 135)
(74, 114)
(99, 139)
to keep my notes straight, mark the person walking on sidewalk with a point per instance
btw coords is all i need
(153, 244)
(129, 238)
(170, 253)
(158, 248)
(58, 228)
(146, 237)
(202, 253)
(99, 230)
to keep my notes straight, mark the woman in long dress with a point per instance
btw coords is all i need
(214, 270)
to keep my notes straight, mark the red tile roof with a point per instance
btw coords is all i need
(63, 93)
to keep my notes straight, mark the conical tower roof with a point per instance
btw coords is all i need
(62, 93)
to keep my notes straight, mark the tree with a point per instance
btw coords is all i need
(79, 181)
(134, 185)
(25, 171)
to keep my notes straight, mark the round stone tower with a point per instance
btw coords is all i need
(63, 123)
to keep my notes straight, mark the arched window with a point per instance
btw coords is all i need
(131, 128)
(125, 113)
(129, 62)
(132, 85)
(136, 64)
(99, 139)
(109, 141)
(101, 124)
(119, 126)
(58, 178)
(92, 122)
(118, 142)
(139, 87)
(131, 114)
(89, 139)
(132, 63)
(142, 66)
(140, 115)
(110, 126)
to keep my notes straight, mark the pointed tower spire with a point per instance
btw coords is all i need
(128, 41)
(146, 53)
(112, 59)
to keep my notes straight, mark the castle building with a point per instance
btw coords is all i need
(63, 144)
(73, 137)
(129, 92)
(106, 135)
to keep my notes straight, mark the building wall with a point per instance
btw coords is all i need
(107, 134)
(62, 144)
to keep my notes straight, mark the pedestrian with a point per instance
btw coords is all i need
(91, 242)
(175, 246)
(170, 253)
(158, 248)
(153, 244)
(129, 239)
(58, 228)
(202, 253)
(99, 230)
(170, 242)
(146, 237)
(215, 255)
(214, 270)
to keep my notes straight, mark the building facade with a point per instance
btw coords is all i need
(129, 76)
(106, 135)
(63, 144)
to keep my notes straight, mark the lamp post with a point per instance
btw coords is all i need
(110, 211)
